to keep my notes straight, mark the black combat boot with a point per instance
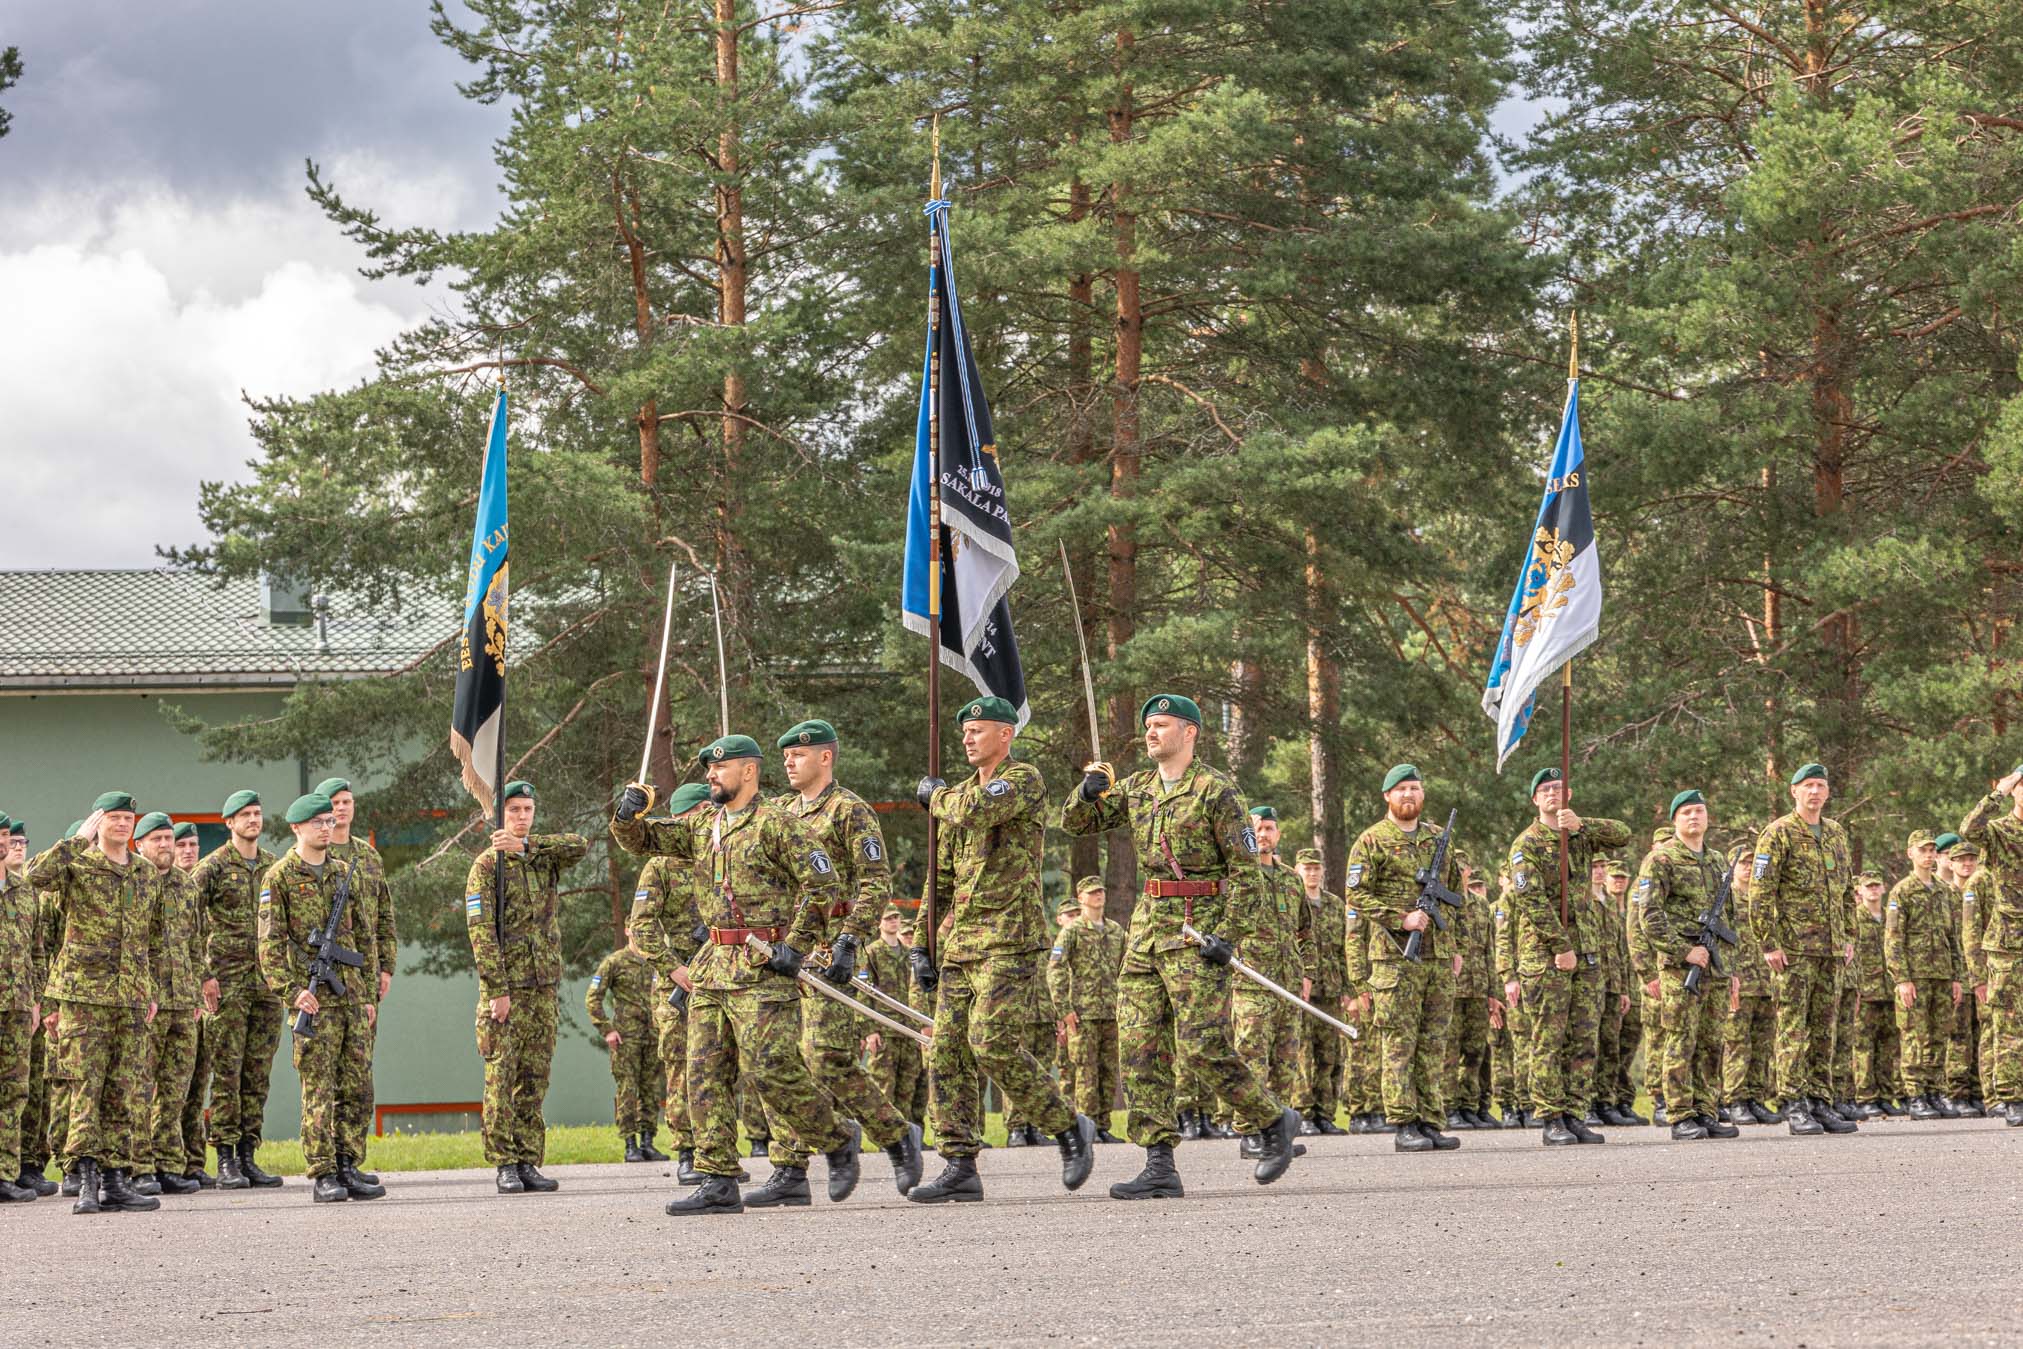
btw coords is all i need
(1831, 1120)
(73, 1181)
(1157, 1181)
(1103, 1135)
(1952, 1107)
(1015, 1136)
(650, 1152)
(761, 1146)
(171, 1183)
(1765, 1115)
(205, 1180)
(1631, 1119)
(327, 1190)
(1408, 1138)
(230, 1177)
(1359, 1124)
(1689, 1129)
(1871, 1110)
(1513, 1118)
(509, 1179)
(716, 1194)
(145, 1183)
(1922, 1108)
(1077, 1143)
(957, 1183)
(1324, 1120)
(12, 1193)
(906, 1160)
(116, 1192)
(844, 1168)
(1556, 1134)
(1457, 1119)
(787, 1187)
(1581, 1131)
(1658, 1118)
(536, 1183)
(254, 1175)
(686, 1174)
(354, 1180)
(1190, 1126)
(1593, 1118)
(89, 1182)
(1280, 1146)
(632, 1152)
(33, 1179)
(2012, 1114)
(1798, 1118)
(1719, 1128)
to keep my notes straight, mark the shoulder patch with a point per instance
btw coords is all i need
(996, 787)
(819, 860)
(596, 980)
(1893, 904)
(872, 852)
(474, 904)
(1250, 840)
(1762, 866)
(641, 893)
(1517, 857)
(1058, 952)
(1355, 878)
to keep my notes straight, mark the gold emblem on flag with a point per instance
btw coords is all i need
(1551, 584)
(495, 619)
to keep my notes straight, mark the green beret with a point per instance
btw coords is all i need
(237, 802)
(728, 747)
(989, 709)
(1689, 797)
(1809, 771)
(1404, 772)
(75, 825)
(517, 787)
(1947, 841)
(1543, 776)
(1066, 902)
(1264, 813)
(686, 797)
(808, 733)
(186, 830)
(19, 827)
(1169, 705)
(150, 822)
(115, 801)
(6, 824)
(1919, 838)
(1307, 855)
(330, 787)
(1088, 883)
(307, 808)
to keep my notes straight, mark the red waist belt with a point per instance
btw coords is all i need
(735, 936)
(1158, 889)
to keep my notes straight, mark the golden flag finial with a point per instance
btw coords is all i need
(1573, 347)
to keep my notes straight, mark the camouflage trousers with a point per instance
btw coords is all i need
(1173, 1024)
(1747, 1037)
(35, 1104)
(1363, 1071)
(335, 1064)
(1840, 1075)
(751, 1112)
(1877, 1050)
(17, 1050)
(370, 1035)
(900, 1070)
(1064, 1065)
(1412, 1015)
(56, 1078)
(174, 1049)
(1267, 1035)
(1092, 1054)
(104, 1055)
(1653, 1051)
(192, 1129)
(738, 1038)
(519, 1053)
(1691, 1025)
(832, 1043)
(1562, 1009)
(636, 1084)
(1613, 1052)
(1922, 1030)
(671, 1045)
(1467, 1064)
(1509, 1081)
(1040, 1042)
(1324, 1053)
(1963, 1050)
(982, 1029)
(1621, 1087)
(1805, 1026)
(2004, 1011)
(247, 1025)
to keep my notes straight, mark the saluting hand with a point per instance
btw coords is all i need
(613, 1038)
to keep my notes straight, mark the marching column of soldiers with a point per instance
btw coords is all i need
(1762, 981)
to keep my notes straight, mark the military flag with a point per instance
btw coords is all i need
(477, 725)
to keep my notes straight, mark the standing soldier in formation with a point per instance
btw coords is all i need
(1198, 854)
(1467, 1067)
(894, 1061)
(191, 1128)
(1513, 1083)
(332, 1048)
(1676, 885)
(104, 984)
(1267, 1036)
(1559, 961)
(756, 871)
(519, 960)
(1976, 891)
(173, 1037)
(1615, 1096)
(368, 880)
(1803, 878)
(20, 1017)
(1325, 983)
(1412, 1001)
(35, 1109)
(1995, 827)
(663, 907)
(1087, 958)
(247, 1025)
(1749, 1035)
(1876, 1045)
(1963, 1042)
(845, 827)
(627, 980)
(1921, 947)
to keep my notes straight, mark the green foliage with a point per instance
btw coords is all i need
(10, 75)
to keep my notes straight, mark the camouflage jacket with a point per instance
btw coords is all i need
(1088, 959)
(757, 868)
(627, 978)
(228, 886)
(295, 903)
(1921, 932)
(1278, 948)
(1748, 962)
(1475, 933)
(1992, 922)
(1871, 973)
(1674, 887)
(1327, 953)
(530, 956)
(1384, 864)
(885, 966)
(1993, 827)
(181, 975)
(1618, 977)
(664, 914)
(20, 990)
(1198, 827)
(368, 883)
(110, 949)
(1535, 892)
(847, 828)
(1804, 883)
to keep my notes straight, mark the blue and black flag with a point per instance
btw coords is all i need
(477, 726)
(978, 562)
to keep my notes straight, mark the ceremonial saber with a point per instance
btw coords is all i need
(659, 679)
(723, 679)
(1088, 681)
(1187, 931)
(765, 952)
(892, 1002)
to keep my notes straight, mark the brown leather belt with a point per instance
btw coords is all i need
(1159, 889)
(735, 936)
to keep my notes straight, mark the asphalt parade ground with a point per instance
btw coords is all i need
(1905, 1233)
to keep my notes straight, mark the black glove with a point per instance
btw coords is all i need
(632, 801)
(923, 969)
(699, 934)
(784, 960)
(1215, 950)
(924, 793)
(678, 999)
(842, 961)
(1097, 780)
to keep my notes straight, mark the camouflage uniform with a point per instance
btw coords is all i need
(1267, 1030)
(758, 870)
(527, 967)
(1512, 1082)
(663, 907)
(1963, 1039)
(1324, 1050)
(1674, 887)
(56, 1078)
(1467, 1066)
(20, 995)
(1362, 1070)
(1748, 1038)
(625, 977)
(1198, 854)
(1975, 896)
(1803, 880)
(1997, 959)
(368, 883)
(335, 1058)
(897, 1065)
(670, 1051)
(193, 1128)
(1041, 1041)
(1413, 1002)
(1613, 1048)
(1876, 1044)
(246, 1029)
(105, 978)
(35, 1147)
(1921, 946)
(1562, 1007)
(174, 1033)
(1084, 967)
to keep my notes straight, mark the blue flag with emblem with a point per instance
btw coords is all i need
(1556, 610)
(477, 723)
(958, 495)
